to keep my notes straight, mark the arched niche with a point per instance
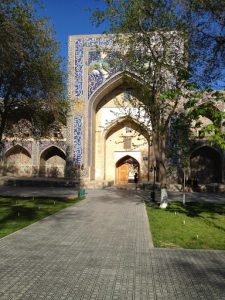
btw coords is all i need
(125, 122)
(18, 161)
(52, 162)
(110, 89)
(206, 165)
(124, 137)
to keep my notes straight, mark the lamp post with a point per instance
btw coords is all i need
(153, 169)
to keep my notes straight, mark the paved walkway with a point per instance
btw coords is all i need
(101, 249)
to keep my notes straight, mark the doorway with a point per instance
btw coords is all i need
(126, 168)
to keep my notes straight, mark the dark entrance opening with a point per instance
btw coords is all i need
(206, 165)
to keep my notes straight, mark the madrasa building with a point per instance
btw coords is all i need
(100, 138)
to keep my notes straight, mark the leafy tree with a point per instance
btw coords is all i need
(163, 44)
(150, 52)
(31, 79)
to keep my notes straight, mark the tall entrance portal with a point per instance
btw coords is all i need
(105, 140)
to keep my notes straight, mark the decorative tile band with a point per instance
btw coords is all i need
(78, 139)
(78, 88)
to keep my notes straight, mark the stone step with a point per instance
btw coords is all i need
(97, 184)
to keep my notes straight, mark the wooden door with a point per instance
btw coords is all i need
(122, 174)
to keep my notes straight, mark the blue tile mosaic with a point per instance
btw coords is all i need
(78, 139)
(78, 67)
(100, 64)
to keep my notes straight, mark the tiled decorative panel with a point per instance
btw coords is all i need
(95, 76)
(79, 67)
(78, 139)
(100, 66)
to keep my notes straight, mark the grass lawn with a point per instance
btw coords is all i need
(16, 213)
(193, 226)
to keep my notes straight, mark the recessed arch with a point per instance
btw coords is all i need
(52, 162)
(109, 89)
(47, 152)
(17, 149)
(206, 165)
(114, 85)
(124, 122)
(18, 161)
(123, 137)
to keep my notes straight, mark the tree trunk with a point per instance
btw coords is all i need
(159, 142)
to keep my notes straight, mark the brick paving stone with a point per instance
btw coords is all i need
(101, 249)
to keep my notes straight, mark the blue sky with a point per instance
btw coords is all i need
(70, 17)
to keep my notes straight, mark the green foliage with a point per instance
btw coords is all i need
(215, 135)
(31, 79)
(170, 49)
(193, 226)
(214, 131)
(201, 24)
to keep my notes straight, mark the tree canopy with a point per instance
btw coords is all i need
(31, 79)
(201, 23)
(174, 47)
